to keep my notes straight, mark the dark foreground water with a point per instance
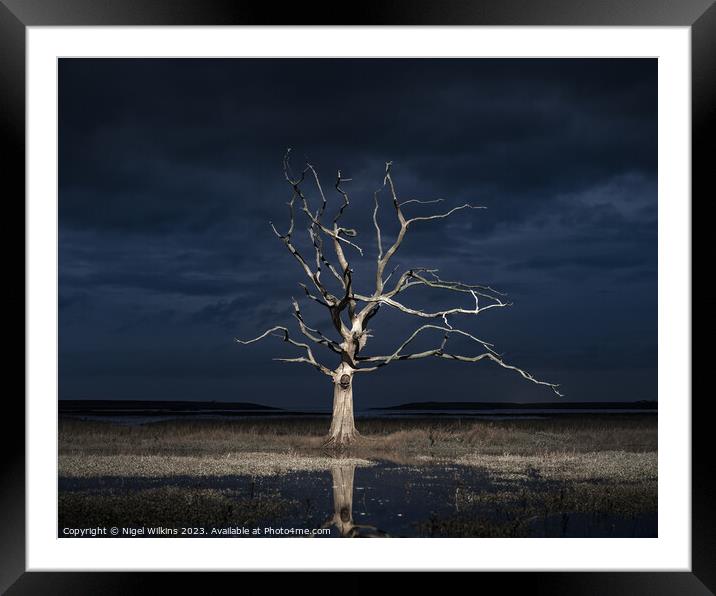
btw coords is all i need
(384, 500)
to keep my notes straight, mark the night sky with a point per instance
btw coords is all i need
(170, 171)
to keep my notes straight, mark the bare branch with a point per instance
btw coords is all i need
(403, 281)
(312, 296)
(348, 299)
(404, 225)
(418, 201)
(355, 334)
(383, 261)
(313, 334)
(342, 260)
(295, 184)
(431, 315)
(286, 239)
(378, 236)
(320, 190)
(387, 279)
(314, 229)
(320, 257)
(443, 215)
(413, 278)
(448, 330)
(458, 286)
(497, 360)
(336, 232)
(306, 361)
(309, 359)
(440, 353)
(344, 194)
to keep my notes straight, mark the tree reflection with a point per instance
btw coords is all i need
(342, 518)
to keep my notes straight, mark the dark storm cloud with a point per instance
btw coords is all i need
(171, 169)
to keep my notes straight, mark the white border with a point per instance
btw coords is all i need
(670, 551)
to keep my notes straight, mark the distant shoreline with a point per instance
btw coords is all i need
(175, 408)
(117, 406)
(555, 405)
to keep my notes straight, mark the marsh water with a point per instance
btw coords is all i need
(386, 499)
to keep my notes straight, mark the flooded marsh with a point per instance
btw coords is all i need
(455, 479)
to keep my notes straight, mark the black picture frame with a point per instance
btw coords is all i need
(17, 15)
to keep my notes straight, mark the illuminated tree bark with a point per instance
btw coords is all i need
(350, 311)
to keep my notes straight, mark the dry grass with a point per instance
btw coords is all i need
(169, 506)
(165, 466)
(619, 466)
(529, 505)
(549, 498)
(383, 438)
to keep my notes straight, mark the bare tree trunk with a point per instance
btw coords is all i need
(343, 430)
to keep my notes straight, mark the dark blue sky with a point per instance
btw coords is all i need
(170, 171)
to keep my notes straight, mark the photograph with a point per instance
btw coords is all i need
(357, 297)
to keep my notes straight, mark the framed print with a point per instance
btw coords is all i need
(416, 275)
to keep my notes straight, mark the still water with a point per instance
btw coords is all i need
(383, 500)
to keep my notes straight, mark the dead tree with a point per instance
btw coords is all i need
(350, 311)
